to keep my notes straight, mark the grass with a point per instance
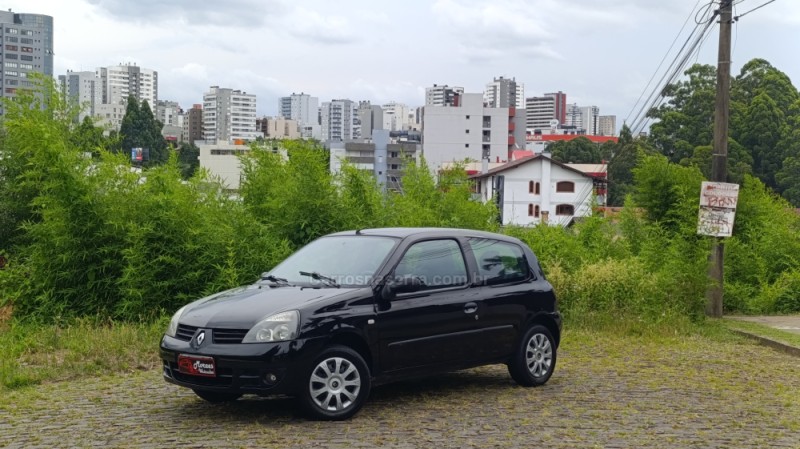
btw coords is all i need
(31, 354)
(761, 330)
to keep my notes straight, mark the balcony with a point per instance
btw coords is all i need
(511, 140)
(512, 112)
(512, 126)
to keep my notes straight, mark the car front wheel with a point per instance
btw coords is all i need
(535, 359)
(337, 385)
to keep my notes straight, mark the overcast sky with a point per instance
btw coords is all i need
(600, 52)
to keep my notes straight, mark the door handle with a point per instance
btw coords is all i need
(470, 307)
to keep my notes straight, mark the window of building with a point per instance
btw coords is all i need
(24, 32)
(12, 65)
(11, 39)
(11, 73)
(466, 145)
(10, 90)
(11, 56)
(565, 209)
(13, 31)
(12, 47)
(466, 131)
(536, 211)
(499, 262)
(530, 188)
(467, 117)
(530, 210)
(25, 40)
(26, 58)
(538, 189)
(26, 49)
(565, 186)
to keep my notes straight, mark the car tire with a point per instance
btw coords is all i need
(216, 397)
(336, 385)
(535, 358)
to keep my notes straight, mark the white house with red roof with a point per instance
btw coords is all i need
(536, 189)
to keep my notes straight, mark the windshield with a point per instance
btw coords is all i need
(347, 260)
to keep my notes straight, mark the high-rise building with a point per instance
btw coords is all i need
(540, 111)
(395, 116)
(83, 90)
(229, 115)
(278, 128)
(471, 131)
(302, 108)
(504, 93)
(607, 125)
(371, 118)
(168, 113)
(340, 120)
(27, 47)
(121, 81)
(193, 124)
(443, 95)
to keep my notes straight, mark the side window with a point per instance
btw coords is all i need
(499, 262)
(437, 263)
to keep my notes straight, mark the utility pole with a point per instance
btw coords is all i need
(719, 171)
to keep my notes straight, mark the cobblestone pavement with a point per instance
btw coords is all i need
(677, 393)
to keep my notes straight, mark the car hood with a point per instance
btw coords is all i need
(243, 307)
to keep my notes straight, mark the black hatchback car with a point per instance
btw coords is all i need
(356, 309)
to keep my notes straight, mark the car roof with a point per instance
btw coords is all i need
(425, 233)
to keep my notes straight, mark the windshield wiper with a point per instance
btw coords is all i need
(319, 277)
(275, 279)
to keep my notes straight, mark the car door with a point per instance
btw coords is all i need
(434, 326)
(503, 293)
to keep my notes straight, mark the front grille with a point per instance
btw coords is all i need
(229, 336)
(185, 332)
(220, 336)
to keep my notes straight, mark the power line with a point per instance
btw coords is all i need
(678, 66)
(662, 61)
(736, 18)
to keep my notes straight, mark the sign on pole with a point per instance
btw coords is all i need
(717, 208)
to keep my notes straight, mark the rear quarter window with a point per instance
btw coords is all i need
(499, 262)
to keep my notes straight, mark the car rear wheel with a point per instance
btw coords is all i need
(337, 385)
(216, 397)
(535, 359)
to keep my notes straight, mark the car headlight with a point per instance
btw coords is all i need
(173, 323)
(279, 327)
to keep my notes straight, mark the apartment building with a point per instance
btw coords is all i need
(229, 115)
(27, 47)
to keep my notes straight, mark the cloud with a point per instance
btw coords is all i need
(247, 13)
(533, 29)
(313, 27)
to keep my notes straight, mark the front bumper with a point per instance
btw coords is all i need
(254, 368)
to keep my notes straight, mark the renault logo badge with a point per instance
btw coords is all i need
(200, 338)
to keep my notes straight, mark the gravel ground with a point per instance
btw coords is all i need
(606, 392)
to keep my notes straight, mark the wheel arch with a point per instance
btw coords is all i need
(356, 343)
(548, 322)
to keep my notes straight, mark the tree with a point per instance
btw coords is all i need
(89, 137)
(188, 159)
(140, 129)
(765, 121)
(576, 151)
(686, 120)
(788, 179)
(624, 159)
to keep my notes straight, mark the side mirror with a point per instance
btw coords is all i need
(403, 284)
